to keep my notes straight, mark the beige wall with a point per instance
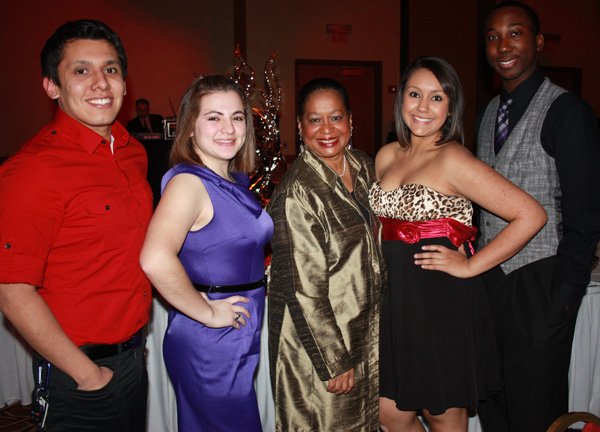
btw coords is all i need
(448, 29)
(576, 22)
(296, 30)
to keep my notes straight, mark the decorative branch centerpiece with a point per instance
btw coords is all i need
(266, 123)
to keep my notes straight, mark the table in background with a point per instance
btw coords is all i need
(584, 371)
(16, 379)
(162, 408)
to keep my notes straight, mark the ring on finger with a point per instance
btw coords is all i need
(236, 316)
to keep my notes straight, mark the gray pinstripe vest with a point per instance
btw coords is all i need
(524, 162)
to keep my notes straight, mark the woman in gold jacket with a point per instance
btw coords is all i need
(326, 276)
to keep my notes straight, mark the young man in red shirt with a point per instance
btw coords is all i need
(74, 208)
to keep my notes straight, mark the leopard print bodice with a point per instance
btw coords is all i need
(419, 203)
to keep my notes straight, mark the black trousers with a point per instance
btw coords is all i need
(534, 341)
(120, 406)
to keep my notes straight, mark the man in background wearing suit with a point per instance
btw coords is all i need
(145, 122)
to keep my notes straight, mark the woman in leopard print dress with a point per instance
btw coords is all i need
(437, 353)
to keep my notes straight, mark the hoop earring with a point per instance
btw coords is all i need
(301, 143)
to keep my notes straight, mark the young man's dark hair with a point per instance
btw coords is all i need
(531, 14)
(52, 52)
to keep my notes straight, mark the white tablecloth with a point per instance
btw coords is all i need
(162, 409)
(584, 372)
(16, 379)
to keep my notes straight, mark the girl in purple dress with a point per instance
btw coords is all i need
(204, 252)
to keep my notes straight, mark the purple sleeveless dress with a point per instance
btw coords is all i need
(212, 370)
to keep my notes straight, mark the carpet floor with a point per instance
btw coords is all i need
(16, 418)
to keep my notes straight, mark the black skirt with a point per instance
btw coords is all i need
(437, 342)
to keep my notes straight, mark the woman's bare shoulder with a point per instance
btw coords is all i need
(453, 155)
(387, 155)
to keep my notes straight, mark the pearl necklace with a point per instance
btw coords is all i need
(344, 166)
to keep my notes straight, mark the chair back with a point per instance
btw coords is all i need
(562, 423)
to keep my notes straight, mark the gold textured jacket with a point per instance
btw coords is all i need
(324, 297)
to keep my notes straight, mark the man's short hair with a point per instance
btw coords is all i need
(52, 53)
(531, 14)
(143, 101)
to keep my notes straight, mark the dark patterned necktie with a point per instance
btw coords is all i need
(501, 124)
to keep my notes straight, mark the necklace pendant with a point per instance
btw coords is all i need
(344, 166)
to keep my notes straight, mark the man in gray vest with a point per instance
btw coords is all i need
(546, 141)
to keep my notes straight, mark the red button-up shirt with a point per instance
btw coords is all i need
(73, 217)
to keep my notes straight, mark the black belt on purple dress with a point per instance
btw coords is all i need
(224, 289)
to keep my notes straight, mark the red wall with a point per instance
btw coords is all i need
(169, 43)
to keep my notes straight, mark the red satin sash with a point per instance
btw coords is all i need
(411, 232)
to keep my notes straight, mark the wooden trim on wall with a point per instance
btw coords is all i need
(404, 35)
(239, 25)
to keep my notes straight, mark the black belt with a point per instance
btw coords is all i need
(231, 288)
(100, 351)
